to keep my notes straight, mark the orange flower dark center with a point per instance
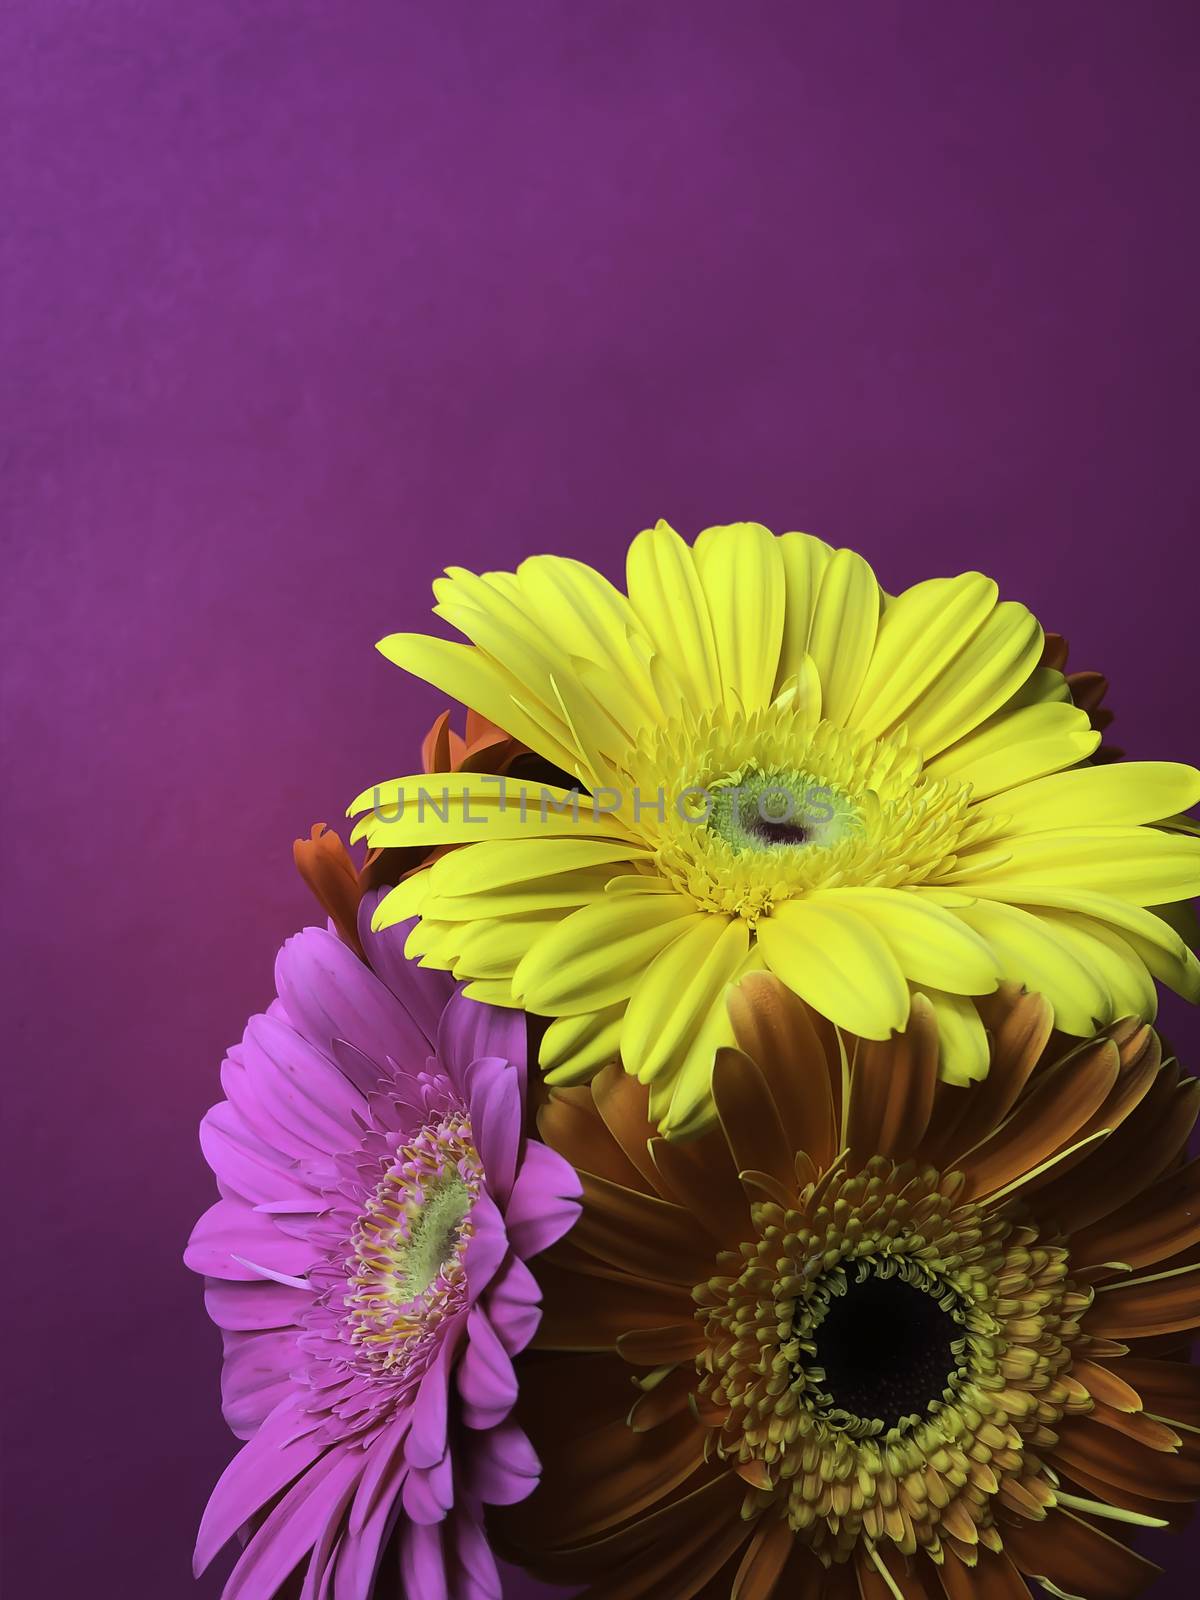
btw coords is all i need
(886, 1350)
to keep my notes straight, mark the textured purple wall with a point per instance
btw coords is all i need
(304, 300)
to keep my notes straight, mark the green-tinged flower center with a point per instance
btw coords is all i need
(434, 1238)
(406, 1270)
(770, 810)
(761, 809)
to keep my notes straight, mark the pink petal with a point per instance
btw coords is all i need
(243, 1161)
(255, 1377)
(272, 1459)
(503, 1467)
(486, 1380)
(242, 1306)
(294, 1526)
(429, 1491)
(496, 1116)
(545, 1200)
(514, 1301)
(231, 1229)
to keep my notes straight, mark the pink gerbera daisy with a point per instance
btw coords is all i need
(366, 1264)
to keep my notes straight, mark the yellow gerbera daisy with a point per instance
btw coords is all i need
(781, 766)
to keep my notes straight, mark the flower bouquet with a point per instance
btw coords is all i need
(716, 1145)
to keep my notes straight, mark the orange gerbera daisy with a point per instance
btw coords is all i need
(871, 1335)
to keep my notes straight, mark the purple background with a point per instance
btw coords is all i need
(304, 300)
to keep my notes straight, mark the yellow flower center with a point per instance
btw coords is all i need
(745, 812)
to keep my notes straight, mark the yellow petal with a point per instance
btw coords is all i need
(584, 615)
(622, 705)
(490, 610)
(1016, 746)
(1121, 794)
(600, 727)
(466, 674)
(638, 883)
(1043, 684)
(562, 893)
(406, 900)
(1151, 935)
(981, 678)
(493, 947)
(511, 863)
(1032, 953)
(431, 943)
(690, 1109)
(927, 940)
(574, 1048)
(920, 633)
(595, 956)
(676, 993)
(438, 808)
(668, 599)
(1137, 864)
(837, 962)
(491, 991)
(802, 691)
(804, 561)
(842, 635)
(1123, 972)
(741, 570)
(963, 1055)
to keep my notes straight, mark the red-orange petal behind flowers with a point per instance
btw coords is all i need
(872, 1335)
(323, 860)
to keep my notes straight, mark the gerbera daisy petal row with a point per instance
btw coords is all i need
(871, 1334)
(756, 759)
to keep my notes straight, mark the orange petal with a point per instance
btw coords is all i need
(1141, 1149)
(765, 1559)
(625, 1473)
(1175, 1513)
(1078, 1558)
(699, 1175)
(776, 1028)
(1112, 1458)
(623, 1103)
(992, 1578)
(659, 1347)
(435, 746)
(569, 1122)
(892, 1086)
(1104, 1383)
(640, 1233)
(1135, 1425)
(666, 1399)
(903, 1573)
(324, 863)
(1143, 1307)
(1159, 1222)
(668, 1552)
(750, 1119)
(1046, 1120)
(591, 1313)
(1020, 1025)
(1168, 1388)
